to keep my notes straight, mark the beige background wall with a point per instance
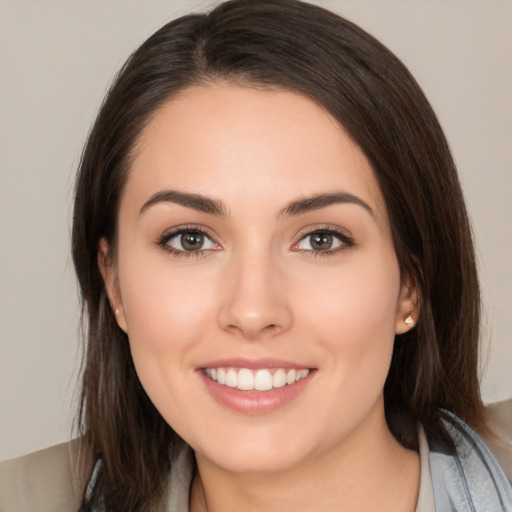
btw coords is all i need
(56, 59)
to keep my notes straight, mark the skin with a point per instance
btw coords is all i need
(259, 290)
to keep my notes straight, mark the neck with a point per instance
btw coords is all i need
(368, 471)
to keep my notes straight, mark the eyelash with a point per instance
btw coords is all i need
(166, 237)
(346, 242)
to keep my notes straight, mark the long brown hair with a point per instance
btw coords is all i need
(304, 48)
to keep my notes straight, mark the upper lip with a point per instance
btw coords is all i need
(253, 364)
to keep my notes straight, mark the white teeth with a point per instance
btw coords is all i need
(231, 379)
(245, 380)
(279, 379)
(259, 380)
(263, 380)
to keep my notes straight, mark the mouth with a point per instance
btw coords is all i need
(261, 379)
(256, 387)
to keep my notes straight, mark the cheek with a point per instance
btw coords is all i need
(353, 320)
(354, 312)
(169, 313)
(166, 310)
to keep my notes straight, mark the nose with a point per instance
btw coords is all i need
(255, 301)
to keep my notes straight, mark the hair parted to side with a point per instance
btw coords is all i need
(294, 46)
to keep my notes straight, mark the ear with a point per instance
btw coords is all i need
(408, 306)
(108, 272)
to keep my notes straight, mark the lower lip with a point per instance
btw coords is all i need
(255, 402)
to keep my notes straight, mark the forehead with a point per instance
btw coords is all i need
(230, 142)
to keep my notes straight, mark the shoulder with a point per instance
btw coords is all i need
(465, 474)
(46, 480)
(500, 440)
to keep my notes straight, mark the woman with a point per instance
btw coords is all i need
(279, 279)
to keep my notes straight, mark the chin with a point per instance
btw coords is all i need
(256, 452)
(260, 461)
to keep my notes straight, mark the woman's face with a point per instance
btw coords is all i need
(256, 278)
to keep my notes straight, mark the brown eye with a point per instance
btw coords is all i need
(321, 241)
(192, 241)
(188, 241)
(328, 241)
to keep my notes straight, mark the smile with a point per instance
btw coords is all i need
(263, 379)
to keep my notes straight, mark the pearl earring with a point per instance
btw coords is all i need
(408, 320)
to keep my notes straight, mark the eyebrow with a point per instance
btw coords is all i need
(189, 200)
(216, 207)
(322, 201)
